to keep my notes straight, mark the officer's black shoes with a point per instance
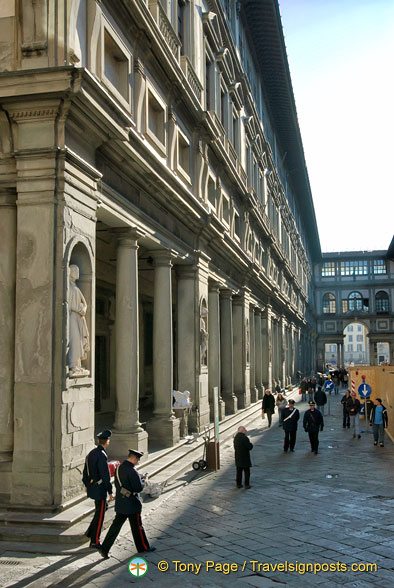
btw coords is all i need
(95, 545)
(375, 442)
(239, 486)
(292, 450)
(316, 452)
(103, 554)
(381, 444)
(358, 436)
(247, 487)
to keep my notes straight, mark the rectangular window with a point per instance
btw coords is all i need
(183, 153)
(237, 225)
(156, 121)
(328, 269)
(116, 67)
(226, 211)
(208, 83)
(211, 193)
(350, 337)
(350, 328)
(360, 338)
(379, 266)
(354, 268)
(181, 26)
(359, 347)
(350, 347)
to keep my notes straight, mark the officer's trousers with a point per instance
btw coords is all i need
(96, 525)
(290, 439)
(314, 439)
(140, 539)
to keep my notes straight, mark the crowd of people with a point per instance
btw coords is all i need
(311, 391)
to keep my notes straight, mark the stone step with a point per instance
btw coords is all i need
(63, 531)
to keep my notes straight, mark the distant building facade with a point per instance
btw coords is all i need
(354, 296)
(155, 147)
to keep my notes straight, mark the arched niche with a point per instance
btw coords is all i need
(79, 253)
(203, 333)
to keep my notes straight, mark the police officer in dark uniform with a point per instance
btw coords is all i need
(128, 483)
(98, 484)
(290, 418)
(313, 423)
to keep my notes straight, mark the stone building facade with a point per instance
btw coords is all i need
(355, 287)
(154, 144)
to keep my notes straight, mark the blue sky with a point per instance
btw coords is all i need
(341, 57)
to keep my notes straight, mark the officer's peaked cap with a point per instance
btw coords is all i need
(106, 434)
(138, 454)
(311, 403)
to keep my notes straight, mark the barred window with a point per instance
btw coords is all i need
(329, 303)
(382, 302)
(354, 268)
(379, 266)
(328, 269)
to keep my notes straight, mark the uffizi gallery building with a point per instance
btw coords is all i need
(157, 229)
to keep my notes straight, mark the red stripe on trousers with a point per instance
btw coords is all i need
(100, 522)
(141, 533)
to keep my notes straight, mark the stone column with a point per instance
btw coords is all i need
(127, 432)
(267, 346)
(342, 355)
(7, 324)
(163, 427)
(214, 347)
(258, 353)
(292, 352)
(241, 342)
(253, 389)
(283, 350)
(226, 351)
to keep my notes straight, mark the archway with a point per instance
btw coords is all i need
(356, 347)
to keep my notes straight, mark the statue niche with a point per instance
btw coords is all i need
(78, 344)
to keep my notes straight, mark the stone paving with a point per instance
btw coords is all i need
(337, 506)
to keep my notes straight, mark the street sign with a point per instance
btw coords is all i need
(328, 385)
(365, 390)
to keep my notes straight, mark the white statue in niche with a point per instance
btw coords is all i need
(204, 335)
(182, 399)
(78, 332)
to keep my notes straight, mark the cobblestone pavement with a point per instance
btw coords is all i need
(337, 506)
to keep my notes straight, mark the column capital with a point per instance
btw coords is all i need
(186, 272)
(214, 286)
(128, 236)
(162, 257)
(226, 293)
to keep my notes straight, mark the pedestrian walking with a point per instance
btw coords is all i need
(353, 407)
(310, 390)
(379, 420)
(346, 417)
(277, 388)
(313, 423)
(303, 388)
(268, 406)
(336, 383)
(320, 399)
(281, 404)
(98, 485)
(291, 416)
(128, 483)
(345, 379)
(242, 447)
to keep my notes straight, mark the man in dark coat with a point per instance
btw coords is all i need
(290, 417)
(346, 417)
(97, 480)
(313, 423)
(242, 447)
(320, 399)
(128, 483)
(353, 408)
(268, 406)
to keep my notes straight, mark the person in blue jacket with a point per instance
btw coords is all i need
(97, 480)
(128, 483)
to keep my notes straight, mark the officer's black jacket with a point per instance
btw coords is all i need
(291, 423)
(96, 469)
(131, 480)
(313, 420)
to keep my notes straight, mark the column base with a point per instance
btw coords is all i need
(243, 399)
(260, 389)
(222, 410)
(121, 442)
(164, 431)
(231, 404)
(254, 394)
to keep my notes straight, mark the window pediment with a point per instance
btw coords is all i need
(212, 30)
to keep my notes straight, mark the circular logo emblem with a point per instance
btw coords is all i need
(138, 566)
